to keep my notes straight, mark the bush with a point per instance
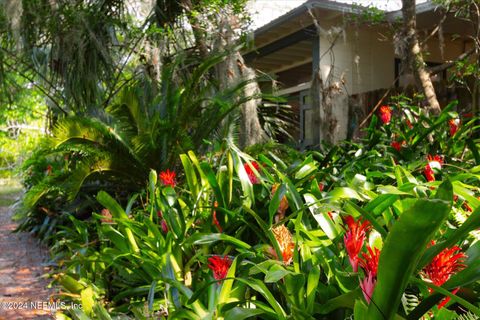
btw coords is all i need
(370, 229)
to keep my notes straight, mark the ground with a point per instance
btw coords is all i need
(23, 292)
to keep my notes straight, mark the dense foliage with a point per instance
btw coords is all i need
(381, 228)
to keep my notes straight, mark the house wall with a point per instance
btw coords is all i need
(361, 57)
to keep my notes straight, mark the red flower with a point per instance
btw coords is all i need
(454, 124)
(49, 170)
(385, 114)
(369, 264)
(251, 175)
(214, 218)
(444, 265)
(354, 239)
(409, 124)
(168, 178)
(429, 174)
(219, 266)
(321, 186)
(434, 162)
(164, 226)
(368, 285)
(396, 145)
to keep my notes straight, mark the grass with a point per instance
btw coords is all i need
(9, 189)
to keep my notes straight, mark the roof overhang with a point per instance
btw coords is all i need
(289, 34)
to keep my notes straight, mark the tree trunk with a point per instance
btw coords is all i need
(233, 71)
(415, 55)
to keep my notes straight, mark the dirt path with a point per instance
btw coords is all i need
(22, 263)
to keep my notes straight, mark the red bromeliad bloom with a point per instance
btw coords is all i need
(454, 124)
(219, 266)
(168, 178)
(434, 162)
(385, 114)
(251, 175)
(409, 124)
(444, 265)
(396, 145)
(164, 226)
(214, 218)
(369, 264)
(429, 174)
(354, 239)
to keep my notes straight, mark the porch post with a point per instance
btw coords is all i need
(316, 92)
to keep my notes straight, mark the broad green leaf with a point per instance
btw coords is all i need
(275, 273)
(87, 300)
(344, 193)
(238, 313)
(261, 288)
(227, 284)
(212, 181)
(208, 238)
(331, 229)
(117, 212)
(472, 223)
(275, 202)
(190, 175)
(403, 249)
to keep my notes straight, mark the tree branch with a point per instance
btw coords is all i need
(447, 65)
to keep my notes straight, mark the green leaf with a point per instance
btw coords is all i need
(212, 181)
(87, 300)
(403, 249)
(344, 193)
(208, 238)
(238, 313)
(260, 287)
(275, 273)
(227, 284)
(327, 225)
(117, 212)
(276, 199)
(472, 223)
(190, 175)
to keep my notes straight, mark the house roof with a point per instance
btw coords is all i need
(301, 12)
(286, 41)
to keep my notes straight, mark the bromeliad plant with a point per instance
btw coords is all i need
(360, 230)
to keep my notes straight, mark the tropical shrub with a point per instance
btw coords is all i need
(143, 128)
(369, 229)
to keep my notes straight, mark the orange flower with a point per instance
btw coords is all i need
(385, 114)
(168, 178)
(285, 242)
(107, 216)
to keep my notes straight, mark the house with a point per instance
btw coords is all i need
(353, 52)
